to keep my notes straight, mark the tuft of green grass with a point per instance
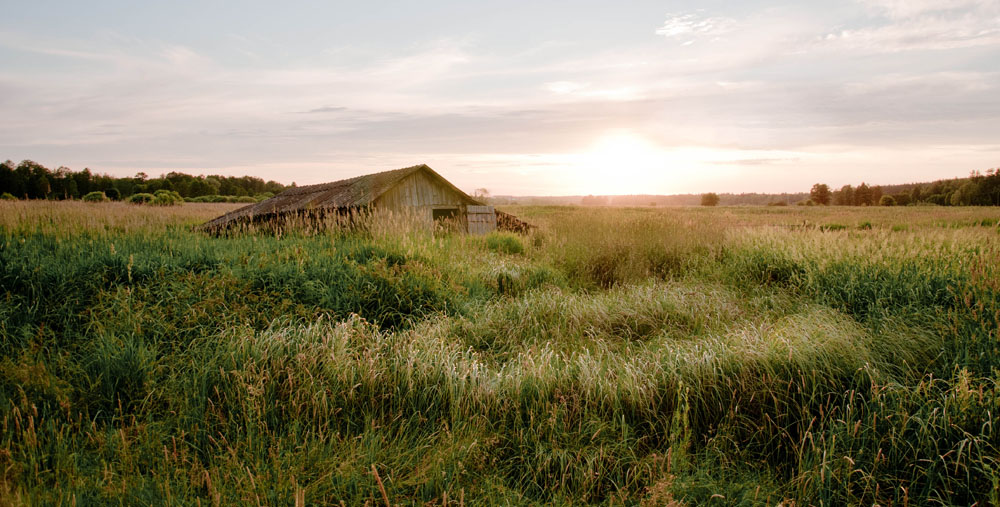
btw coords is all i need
(506, 243)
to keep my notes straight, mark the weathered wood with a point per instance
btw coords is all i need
(414, 189)
(481, 219)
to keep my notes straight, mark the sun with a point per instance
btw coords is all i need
(622, 162)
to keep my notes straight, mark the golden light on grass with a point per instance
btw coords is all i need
(609, 353)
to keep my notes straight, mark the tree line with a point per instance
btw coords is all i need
(978, 189)
(31, 180)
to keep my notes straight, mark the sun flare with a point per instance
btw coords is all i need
(621, 162)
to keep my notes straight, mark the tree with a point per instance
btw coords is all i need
(83, 181)
(820, 194)
(710, 199)
(876, 195)
(844, 196)
(40, 187)
(10, 181)
(69, 188)
(863, 195)
(966, 195)
(481, 194)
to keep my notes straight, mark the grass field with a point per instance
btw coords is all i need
(674, 356)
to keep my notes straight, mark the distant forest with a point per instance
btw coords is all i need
(30, 180)
(979, 189)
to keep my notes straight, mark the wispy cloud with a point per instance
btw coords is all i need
(688, 26)
(924, 25)
(325, 109)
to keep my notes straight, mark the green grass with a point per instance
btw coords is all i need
(694, 356)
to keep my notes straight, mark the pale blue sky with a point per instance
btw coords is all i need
(519, 97)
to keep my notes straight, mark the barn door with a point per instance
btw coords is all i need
(482, 219)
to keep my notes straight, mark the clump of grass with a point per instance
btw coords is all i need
(506, 243)
(832, 227)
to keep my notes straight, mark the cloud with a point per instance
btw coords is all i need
(688, 26)
(325, 109)
(923, 25)
(906, 9)
(564, 87)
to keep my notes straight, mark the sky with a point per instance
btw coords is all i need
(520, 98)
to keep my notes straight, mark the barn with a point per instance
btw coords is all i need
(418, 190)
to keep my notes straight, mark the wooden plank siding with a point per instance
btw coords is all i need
(481, 219)
(421, 193)
(418, 190)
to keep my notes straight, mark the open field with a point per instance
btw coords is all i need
(665, 356)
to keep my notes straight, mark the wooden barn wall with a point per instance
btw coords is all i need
(417, 190)
(481, 219)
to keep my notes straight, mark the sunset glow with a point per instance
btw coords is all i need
(646, 98)
(621, 162)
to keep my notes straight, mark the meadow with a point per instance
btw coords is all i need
(654, 356)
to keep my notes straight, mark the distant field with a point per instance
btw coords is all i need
(665, 356)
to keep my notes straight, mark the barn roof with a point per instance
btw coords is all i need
(352, 192)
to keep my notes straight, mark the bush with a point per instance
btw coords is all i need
(710, 199)
(887, 200)
(245, 198)
(167, 198)
(95, 197)
(113, 194)
(7, 196)
(141, 198)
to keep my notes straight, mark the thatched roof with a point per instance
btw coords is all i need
(350, 193)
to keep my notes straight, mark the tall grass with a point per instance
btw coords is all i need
(688, 356)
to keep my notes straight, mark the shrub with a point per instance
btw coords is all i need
(113, 194)
(887, 200)
(245, 198)
(167, 198)
(141, 198)
(710, 199)
(7, 196)
(95, 197)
